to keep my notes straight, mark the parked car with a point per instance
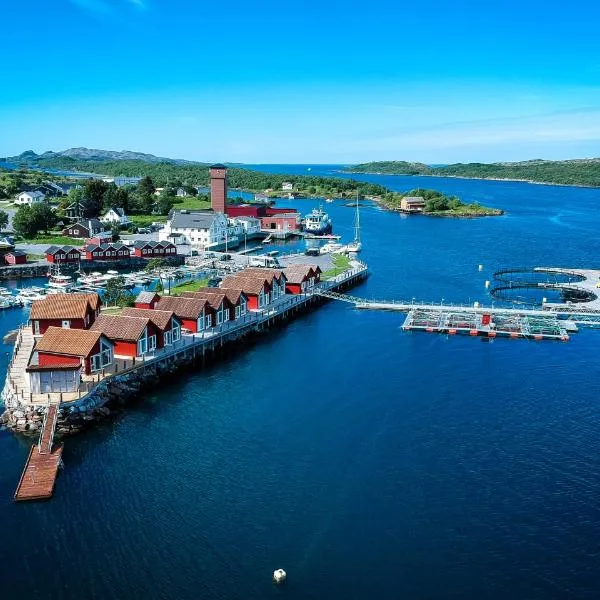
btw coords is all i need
(143, 230)
(312, 252)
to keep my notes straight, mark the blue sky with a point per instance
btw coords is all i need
(310, 82)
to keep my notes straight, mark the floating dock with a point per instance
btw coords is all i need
(449, 321)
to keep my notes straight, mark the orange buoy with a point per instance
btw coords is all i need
(473, 332)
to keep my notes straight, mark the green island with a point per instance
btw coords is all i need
(577, 172)
(436, 203)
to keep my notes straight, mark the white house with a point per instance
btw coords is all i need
(287, 186)
(30, 198)
(246, 226)
(181, 193)
(204, 229)
(116, 215)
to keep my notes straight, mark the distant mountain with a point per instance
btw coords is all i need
(94, 155)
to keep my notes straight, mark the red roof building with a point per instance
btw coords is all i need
(132, 336)
(195, 314)
(68, 311)
(152, 249)
(281, 222)
(261, 289)
(237, 299)
(110, 251)
(167, 324)
(61, 355)
(147, 300)
(301, 278)
(221, 306)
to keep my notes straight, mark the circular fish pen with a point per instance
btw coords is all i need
(534, 276)
(535, 294)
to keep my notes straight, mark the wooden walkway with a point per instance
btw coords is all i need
(41, 468)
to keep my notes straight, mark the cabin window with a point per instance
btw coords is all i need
(243, 305)
(176, 331)
(238, 312)
(142, 345)
(95, 363)
(168, 337)
(220, 316)
(36, 328)
(106, 354)
(208, 321)
(66, 324)
(152, 343)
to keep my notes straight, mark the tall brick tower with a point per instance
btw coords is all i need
(218, 187)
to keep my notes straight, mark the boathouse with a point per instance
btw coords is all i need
(110, 251)
(275, 277)
(221, 306)
(167, 324)
(62, 255)
(301, 278)
(67, 311)
(195, 314)
(132, 336)
(285, 222)
(412, 204)
(147, 300)
(152, 249)
(237, 299)
(62, 355)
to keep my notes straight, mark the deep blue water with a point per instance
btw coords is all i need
(367, 462)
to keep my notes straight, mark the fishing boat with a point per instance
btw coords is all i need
(356, 245)
(317, 222)
(29, 295)
(332, 247)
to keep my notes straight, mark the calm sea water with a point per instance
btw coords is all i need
(367, 462)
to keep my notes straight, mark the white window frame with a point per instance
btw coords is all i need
(36, 327)
(168, 338)
(66, 324)
(152, 343)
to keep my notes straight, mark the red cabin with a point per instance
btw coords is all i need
(167, 324)
(256, 289)
(61, 255)
(111, 251)
(152, 249)
(132, 336)
(147, 300)
(301, 278)
(68, 311)
(195, 314)
(281, 222)
(62, 355)
(222, 307)
(237, 300)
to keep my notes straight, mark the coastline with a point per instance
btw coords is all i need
(531, 181)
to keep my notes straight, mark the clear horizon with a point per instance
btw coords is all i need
(324, 84)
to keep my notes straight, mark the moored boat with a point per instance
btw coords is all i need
(317, 222)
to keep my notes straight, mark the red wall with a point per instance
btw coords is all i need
(247, 211)
(145, 305)
(57, 359)
(218, 189)
(189, 324)
(15, 260)
(293, 288)
(125, 348)
(75, 323)
(276, 211)
(279, 223)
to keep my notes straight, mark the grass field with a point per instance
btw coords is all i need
(189, 286)
(56, 240)
(341, 263)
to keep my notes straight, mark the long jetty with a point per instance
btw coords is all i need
(41, 469)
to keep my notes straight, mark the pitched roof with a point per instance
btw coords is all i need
(65, 249)
(32, 193)
(269, 274)
(249, 284)
(64, 306)
(233, 295)
(193, 219)
(72, 342)
(146, 297)
(413, 199)
(116, 327)
(161, 318)
(298, 273)
(215, 297)
(184, 308)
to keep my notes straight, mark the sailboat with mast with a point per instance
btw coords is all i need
(356, 245)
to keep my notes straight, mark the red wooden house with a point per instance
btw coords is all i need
(195, 314)
(255, 287)
(281, 222)
(222, 307)
(61, 255)
(147, 300)
(301, 278)
(68, 311)
(167, 324)
(152, 249)
(110, 251)
(62, 355)
(15, 257)
(237, 299)
(275, 277)
(132, 336)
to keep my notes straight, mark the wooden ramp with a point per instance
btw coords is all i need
(39, 475)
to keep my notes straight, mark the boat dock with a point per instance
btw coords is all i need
(41, 469)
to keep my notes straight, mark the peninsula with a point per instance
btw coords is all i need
(577, 172)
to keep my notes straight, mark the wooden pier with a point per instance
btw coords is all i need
(41, 469)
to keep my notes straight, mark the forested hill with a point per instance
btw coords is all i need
(167, 173)
(565, 172)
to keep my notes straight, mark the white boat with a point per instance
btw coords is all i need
(317, 222)
(331, 247)
(64, 282)
(29, 295)
(329, 200)
(356, 245)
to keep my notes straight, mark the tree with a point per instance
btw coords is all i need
(3, 219)
(115, 232)
(190, 190)
(29, 220)
(117, 293)
(166, 200)
(45, 218)
(146, 186)
(93, 197)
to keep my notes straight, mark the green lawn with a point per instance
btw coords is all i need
(145, 220)
(56, 240)
(189, 286)
(35, 257)
(341, 263)
(192, 203)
